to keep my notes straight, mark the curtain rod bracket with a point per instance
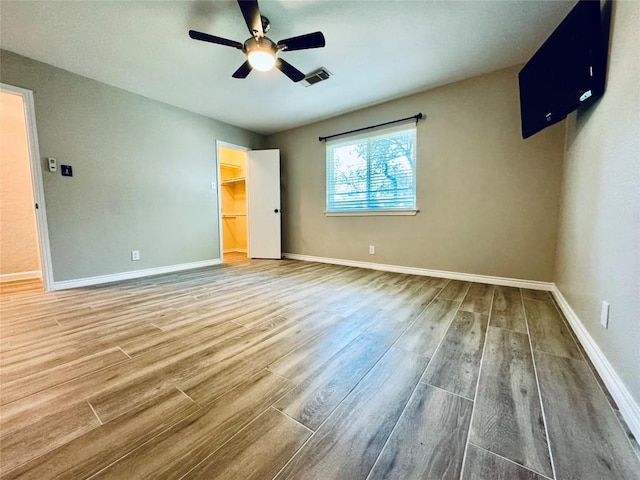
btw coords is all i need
(417, 117)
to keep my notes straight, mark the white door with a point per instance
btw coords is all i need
(263, 204)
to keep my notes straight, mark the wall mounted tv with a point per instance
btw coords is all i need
(568, 70)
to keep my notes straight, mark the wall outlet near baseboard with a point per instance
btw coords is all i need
(604, 314)
(372, 249)
(135, 255)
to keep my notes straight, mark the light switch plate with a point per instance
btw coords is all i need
(604, 314)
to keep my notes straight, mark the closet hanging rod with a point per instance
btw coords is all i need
(416, 117)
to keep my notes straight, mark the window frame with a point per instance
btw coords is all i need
(368, 136)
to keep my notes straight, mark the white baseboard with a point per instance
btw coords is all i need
(629, 409)
(14, 277)
(118, 277)
(469, 277)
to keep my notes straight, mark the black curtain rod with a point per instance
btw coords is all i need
(416, 117)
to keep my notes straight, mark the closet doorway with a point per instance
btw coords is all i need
(249, 200)
(232, 177)
(25, 259)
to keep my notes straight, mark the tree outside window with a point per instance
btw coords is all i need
(372, 173)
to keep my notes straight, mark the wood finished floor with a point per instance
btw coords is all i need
(292, 370)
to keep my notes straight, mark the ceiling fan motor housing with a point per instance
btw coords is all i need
(266, 24)
(262, 43)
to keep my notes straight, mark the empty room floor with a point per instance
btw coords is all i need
(296, 370)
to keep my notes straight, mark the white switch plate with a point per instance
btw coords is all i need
(135, 255)
(372, 250)
(604, 314)
(52, 164)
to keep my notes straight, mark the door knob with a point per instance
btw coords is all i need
(276, 210)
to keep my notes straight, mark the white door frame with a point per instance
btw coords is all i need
(36, 182)
(220, 143)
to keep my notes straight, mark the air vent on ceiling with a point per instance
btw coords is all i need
(317, 76)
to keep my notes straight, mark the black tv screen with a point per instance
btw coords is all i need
(567, 71)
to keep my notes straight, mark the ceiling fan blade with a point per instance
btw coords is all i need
(205, 37)
(252, 18)
(243, 71)
(303, 42)
(289, 70)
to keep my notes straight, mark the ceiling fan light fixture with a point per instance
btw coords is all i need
(261, 51)
(262, 60)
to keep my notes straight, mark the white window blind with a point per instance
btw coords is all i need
(372, 172)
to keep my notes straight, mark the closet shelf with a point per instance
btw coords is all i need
(230, 181)
(230, 165)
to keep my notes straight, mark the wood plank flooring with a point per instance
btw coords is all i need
(508, 418)
(294, 370)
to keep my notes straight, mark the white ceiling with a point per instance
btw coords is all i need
(376, 50)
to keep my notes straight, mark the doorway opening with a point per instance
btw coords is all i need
(25, 260)
(232, 177)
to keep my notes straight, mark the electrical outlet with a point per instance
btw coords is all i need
(135, 255)
(604, 314)
(372, 250)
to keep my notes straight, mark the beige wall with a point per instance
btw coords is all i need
(19, 251)
(488, 200)
(599, 235)
(142, 173)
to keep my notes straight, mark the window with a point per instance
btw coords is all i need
(372, 174)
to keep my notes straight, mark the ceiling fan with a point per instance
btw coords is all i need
(261, 51)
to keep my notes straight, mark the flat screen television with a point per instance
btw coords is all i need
(568, 70)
